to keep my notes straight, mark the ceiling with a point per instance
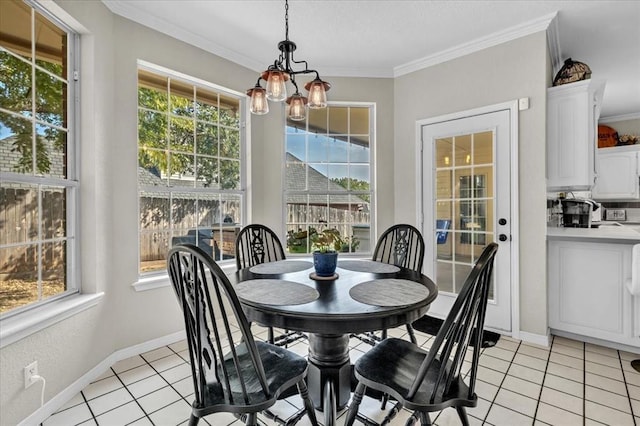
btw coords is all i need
(385, 38)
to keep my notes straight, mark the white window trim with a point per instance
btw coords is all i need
(22, 325)
(161, 280)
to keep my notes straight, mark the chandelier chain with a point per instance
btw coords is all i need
(286, 20)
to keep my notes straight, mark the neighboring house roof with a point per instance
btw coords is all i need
(147, 178)
(296, 180)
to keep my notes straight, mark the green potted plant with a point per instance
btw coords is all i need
(325, 247)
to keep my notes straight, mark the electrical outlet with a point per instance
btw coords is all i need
(30, 371)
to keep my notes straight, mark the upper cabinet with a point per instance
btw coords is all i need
(618, 175)
(572, 118)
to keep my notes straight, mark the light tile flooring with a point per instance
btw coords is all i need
(571, 383)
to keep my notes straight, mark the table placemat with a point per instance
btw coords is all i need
(389, 292)
(281, 267)
(276, 292)
(368, 266)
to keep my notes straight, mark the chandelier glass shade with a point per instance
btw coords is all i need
(276, 77)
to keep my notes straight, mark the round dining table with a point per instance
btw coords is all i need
(362, 296)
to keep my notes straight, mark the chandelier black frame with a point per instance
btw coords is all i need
(276, 77)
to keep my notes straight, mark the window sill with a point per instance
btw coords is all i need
(162, 280)
(22, 325)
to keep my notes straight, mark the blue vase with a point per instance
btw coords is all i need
(325, 263)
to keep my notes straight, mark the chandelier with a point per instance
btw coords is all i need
(276, 77)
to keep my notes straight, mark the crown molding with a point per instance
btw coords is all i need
(553, 41)
(127, 10)
(513, 33)
(622, 117)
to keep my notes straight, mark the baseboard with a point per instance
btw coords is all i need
(538, 339)
(54, 404)
(599, 342)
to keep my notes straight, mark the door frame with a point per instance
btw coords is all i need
(512, 107)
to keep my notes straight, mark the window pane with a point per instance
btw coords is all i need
(182, 170)
(183, 212)
(51, 151)
(207, 106)
(54, 214)
(181, 134)
(181, 99)
(462, 150)
(230, 143)
(15, 21)
(152, 129)
(155, 216)
(483, 148)
(359, 150)
(50, 99)
(444, 152)
(18, 213)
(207, 139)
(207, 172)
(16, 143)
(15, 81)
(338, 121)
(54, 275)
(229, 174)
(296, 146)
(18, 276)
(153, 98)
(51, 46)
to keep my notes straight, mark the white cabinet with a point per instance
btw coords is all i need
(572, 118)
(618, 176)
(587, 292)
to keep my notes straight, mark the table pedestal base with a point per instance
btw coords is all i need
(329, 376)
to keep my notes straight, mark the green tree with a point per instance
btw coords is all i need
(354, 185)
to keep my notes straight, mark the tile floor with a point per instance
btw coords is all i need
(571, 383)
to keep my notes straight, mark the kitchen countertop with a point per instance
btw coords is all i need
(603, 234)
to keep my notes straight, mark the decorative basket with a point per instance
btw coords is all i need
(628, 140)
(607, 136)
(572, 71)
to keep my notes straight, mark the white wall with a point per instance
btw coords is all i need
(498, 74)
(109, 219)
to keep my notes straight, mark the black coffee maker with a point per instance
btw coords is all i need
(576, 213)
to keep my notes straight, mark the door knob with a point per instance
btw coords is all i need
(503, 237)
(502, 221)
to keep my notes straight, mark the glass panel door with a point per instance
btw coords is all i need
(464, 205)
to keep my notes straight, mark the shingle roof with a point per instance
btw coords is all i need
(296, 180)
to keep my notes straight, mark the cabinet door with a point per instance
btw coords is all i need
(572, 115)
(617, 176)
(587, 294)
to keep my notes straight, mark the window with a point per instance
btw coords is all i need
(328, 179)
(190, 166)
(38, 181)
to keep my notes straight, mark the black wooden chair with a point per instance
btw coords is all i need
(400, 245)
(426, 381)
(257, 244)
(231, 372)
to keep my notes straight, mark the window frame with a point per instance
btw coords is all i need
(14, 322)
(159, 278)
(372, 175)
